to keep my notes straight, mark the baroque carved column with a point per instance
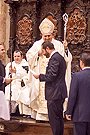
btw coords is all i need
(60, 22)
(2, 22)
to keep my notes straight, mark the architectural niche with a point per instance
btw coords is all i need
(77, 30)
(76, 27)
(24, 32)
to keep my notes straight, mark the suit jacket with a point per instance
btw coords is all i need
(2, 74)
(55, 86)
(79, 98)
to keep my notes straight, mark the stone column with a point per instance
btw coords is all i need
(4, 27)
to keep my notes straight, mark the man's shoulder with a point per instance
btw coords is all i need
(57, 55)
(78, 74)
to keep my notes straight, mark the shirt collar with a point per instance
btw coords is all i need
(53, 53)
(86, 68)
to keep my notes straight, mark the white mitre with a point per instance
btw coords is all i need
(46, 26)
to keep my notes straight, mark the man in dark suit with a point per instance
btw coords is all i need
(3, 81)
(4, 109)
(55, 86)
(78, 109)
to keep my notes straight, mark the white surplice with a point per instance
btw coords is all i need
(20, 95)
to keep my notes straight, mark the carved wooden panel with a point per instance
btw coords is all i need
(24, 31)
(24, 34)
(76, 27)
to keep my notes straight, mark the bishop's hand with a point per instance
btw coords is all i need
(65, 44)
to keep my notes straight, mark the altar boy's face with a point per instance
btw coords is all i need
(17, 57)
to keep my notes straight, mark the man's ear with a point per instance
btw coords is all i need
(22, 56)
(81, 64)
(47, 48)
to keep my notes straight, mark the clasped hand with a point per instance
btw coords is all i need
(65, 44)
(8, 80)
(68, 117)
(13, 70)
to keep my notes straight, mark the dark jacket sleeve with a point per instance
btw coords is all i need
(72, 95)
(1, 80)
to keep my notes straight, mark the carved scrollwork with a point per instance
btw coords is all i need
(24, 31)
(76, 27)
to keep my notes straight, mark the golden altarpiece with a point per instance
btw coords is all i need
(26, 15)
